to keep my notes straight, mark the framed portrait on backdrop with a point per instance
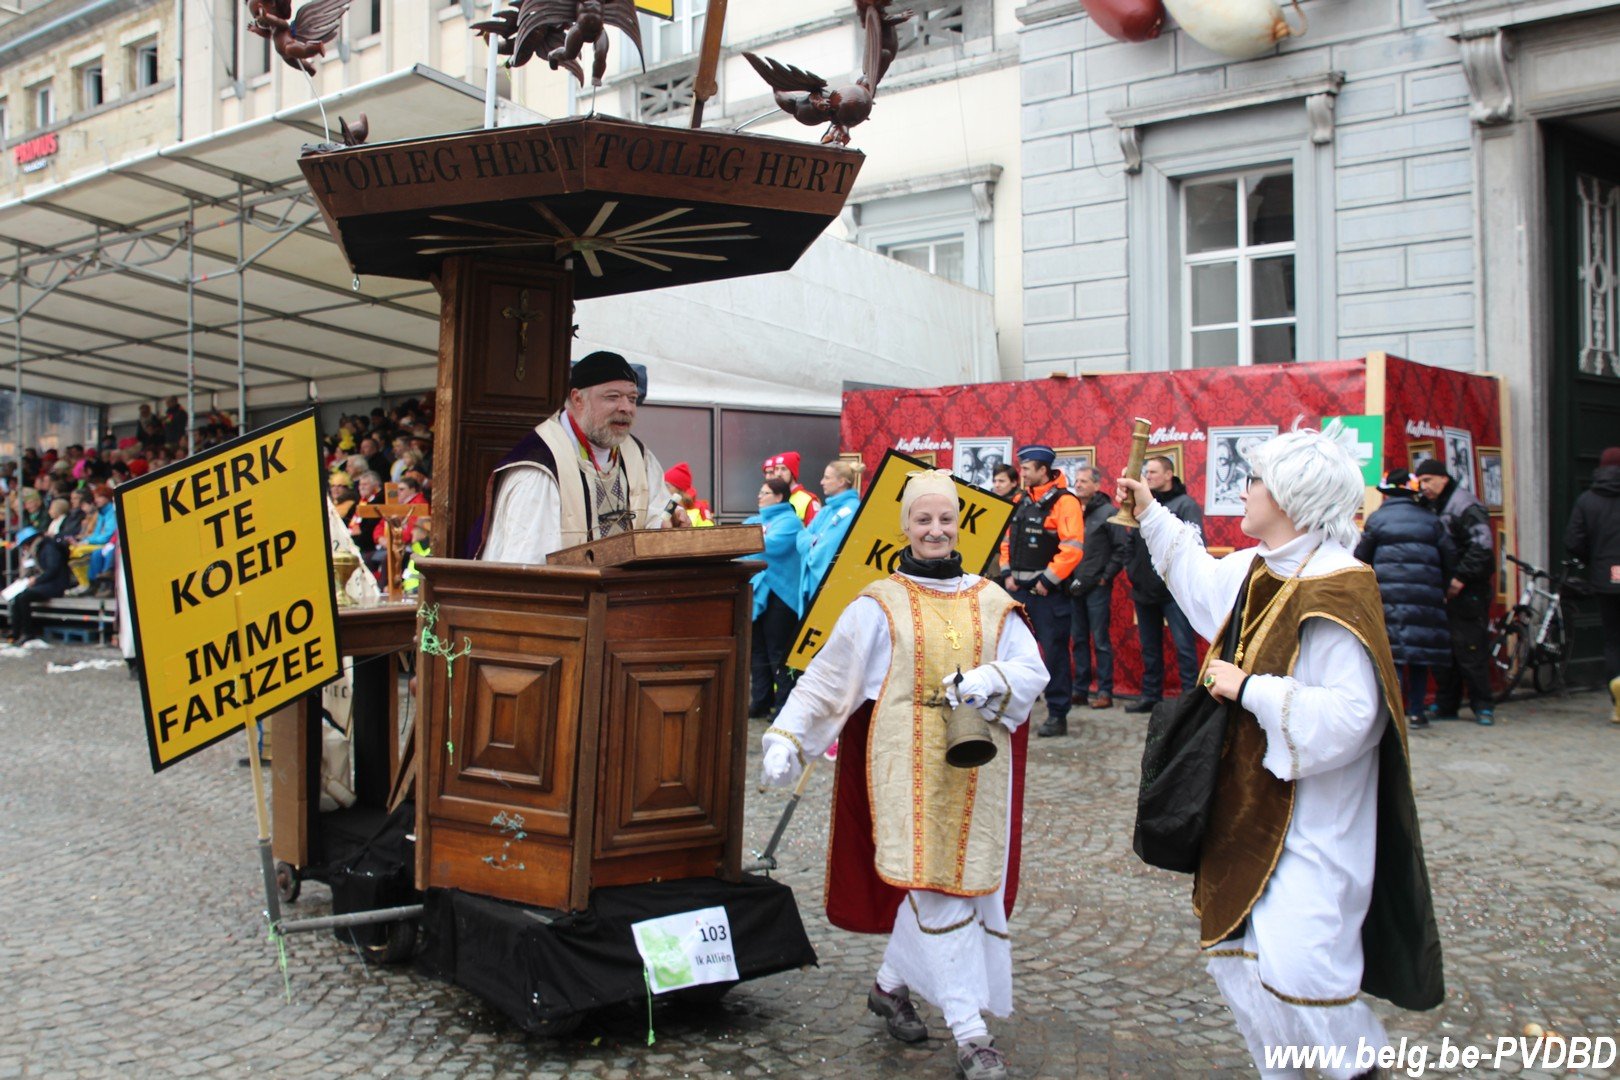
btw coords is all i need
(930, 456)
(1500, 529)
(1071, 459)
(1227, 472)
(976, 460)
(1459, 460)
(1417, 452)
(1492, 489)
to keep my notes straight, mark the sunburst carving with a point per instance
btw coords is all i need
(645, 242)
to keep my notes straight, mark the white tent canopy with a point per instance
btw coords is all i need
(205, 266)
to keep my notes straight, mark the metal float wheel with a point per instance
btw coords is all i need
(287, 883)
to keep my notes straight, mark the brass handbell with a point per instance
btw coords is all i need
(967, 735)
(1126, 515)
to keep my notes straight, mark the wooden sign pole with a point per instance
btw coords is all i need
(705, 86)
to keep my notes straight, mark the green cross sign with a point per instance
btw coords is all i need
(1363, 436)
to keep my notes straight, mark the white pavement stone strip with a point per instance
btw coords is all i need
(133, 944)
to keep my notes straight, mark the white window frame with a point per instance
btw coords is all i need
(137, 65)
(913, 232)
(686, 16)
(93, 70)
(42, 104)
(362, 30)
(1154, 248)
(5, 120)
(1244, 255)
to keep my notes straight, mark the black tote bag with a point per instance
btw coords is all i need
(1180, 761)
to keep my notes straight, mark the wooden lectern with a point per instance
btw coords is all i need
(596, 732)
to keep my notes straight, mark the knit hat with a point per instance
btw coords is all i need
(1396, 480)
(598, 368)
(926, 482)
(679, 475)
(1045, 455)
(1430, 467)
(789, 458)
(1611, 456)
(138, 466)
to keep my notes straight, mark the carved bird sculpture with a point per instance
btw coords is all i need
(804, 96)
(354, 134)
(559, 30)
(298, 40)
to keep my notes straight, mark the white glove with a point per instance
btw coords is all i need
(781, 766)
(977, 687)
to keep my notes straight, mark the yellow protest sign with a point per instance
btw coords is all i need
(663, 9)
(244, 519)
(871, 549)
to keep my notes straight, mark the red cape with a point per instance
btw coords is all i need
(857, 899)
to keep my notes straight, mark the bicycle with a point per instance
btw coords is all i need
(1533, 634)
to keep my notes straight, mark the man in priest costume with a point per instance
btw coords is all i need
(579, 475)
(1311, 885)
(922, 850)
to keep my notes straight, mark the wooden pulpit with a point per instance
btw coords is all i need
(595, 731)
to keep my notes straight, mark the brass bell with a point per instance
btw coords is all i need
(967, 738)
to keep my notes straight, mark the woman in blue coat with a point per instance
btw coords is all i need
(776, 600)
(1409, 549)
(820, 539)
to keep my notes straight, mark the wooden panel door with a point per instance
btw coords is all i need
(667, 729)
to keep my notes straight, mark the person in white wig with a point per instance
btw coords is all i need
(1311, 886)
(922, 850)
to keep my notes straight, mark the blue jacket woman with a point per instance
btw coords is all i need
(820, 539)
(776, 600)
(1412, 554)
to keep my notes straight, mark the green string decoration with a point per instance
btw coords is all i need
(434, 645)
(277, 938)
(647, 978)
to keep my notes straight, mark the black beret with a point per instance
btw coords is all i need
(598, 368)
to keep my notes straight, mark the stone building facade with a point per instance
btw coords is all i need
(1436, 180)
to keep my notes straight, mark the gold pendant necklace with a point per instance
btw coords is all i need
(952, 634)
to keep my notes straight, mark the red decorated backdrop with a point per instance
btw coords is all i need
(1096, 411)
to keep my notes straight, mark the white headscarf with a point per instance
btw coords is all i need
(926, 482)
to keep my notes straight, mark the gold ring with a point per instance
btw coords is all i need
(1209, 680)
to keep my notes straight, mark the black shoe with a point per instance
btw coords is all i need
(1055, 725)
(899, 1014)
(1415, 722)
(1142, 705)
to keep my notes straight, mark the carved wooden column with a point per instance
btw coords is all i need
(505, 331)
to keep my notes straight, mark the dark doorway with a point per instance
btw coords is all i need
(1583, 200)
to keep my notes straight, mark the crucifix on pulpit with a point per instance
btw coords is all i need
(524, 317)
(395, 516)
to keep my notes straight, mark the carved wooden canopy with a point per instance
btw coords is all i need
(635, 206)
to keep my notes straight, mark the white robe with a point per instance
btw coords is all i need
(526, 525)
(1322, 727)
(969, 969)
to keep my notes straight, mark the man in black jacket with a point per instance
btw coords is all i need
(1468, 595)
(1154, 605)
(1091, 588)
(44, 562)
(1593, 537)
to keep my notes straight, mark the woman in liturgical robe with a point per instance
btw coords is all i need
(922, 850)
(1311, 886)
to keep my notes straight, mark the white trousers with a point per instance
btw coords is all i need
(953, 951)
(1268, 1021)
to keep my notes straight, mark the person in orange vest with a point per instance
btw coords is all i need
(1043, 546)
(785, 467)
(678, 479)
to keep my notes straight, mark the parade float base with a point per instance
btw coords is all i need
(547, 969)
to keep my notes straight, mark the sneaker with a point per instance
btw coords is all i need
(831, 753)
(1055, 725)
(1416, 722)
(1432, 712)
(1142, 705)
(978, 1059)
(1486, 717)
(899, 1014)
(1101, 701)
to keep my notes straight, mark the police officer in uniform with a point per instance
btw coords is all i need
(1042, 549)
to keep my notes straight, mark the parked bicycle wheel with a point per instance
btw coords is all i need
(1547, 667)
(1510, 652)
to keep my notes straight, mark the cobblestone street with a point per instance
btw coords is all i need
(133, 944)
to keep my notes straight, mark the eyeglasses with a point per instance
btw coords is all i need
(1251, 480)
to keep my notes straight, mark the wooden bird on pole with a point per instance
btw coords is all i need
(559, 30)
(804, 95)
